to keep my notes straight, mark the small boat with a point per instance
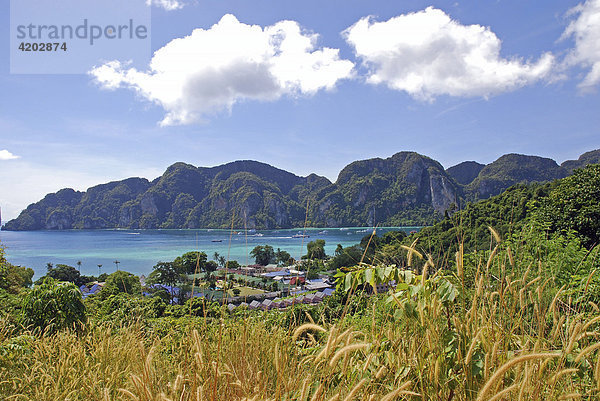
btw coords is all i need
(300, 236)
(217, 240)
(259, 235)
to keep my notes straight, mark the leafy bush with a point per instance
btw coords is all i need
(125, 308)
(121, 282)
(13, 278)
(52, 306)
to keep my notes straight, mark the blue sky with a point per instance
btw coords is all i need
(371, 96)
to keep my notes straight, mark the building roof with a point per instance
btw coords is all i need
(317, 286)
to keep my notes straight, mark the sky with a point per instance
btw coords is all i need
(308, 87)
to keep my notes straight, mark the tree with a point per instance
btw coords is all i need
(282, 257)
(170, 274)
(13, 278)
(53, 306)
(232, 264)
(65, 273)
(121, 281)
(222, 261)
(190, 260)
(166, 273)
(347, 257)
(316, 249)
(339, 249)
(236, 292)
(574, 204)
(263, 254)
(79, 265)
(210, 267)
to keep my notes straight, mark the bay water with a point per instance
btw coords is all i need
(139, 250)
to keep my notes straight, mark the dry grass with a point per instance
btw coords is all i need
(508, 338)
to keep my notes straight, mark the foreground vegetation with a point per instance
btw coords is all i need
(514, 316)
(471, 335)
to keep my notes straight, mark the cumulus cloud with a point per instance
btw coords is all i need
(168, 5)
(585, 30)
(428, 54)
(212, 69)
(6, 155)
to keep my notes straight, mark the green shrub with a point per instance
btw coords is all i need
(52, 306)
(121, 282)
(124, 308)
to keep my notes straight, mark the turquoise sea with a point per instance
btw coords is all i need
(139, 250)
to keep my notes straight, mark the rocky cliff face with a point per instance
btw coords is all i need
(443, 193)
(406, 188)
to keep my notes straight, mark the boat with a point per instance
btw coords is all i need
(217, 240)
(259, 235)
(300, 236)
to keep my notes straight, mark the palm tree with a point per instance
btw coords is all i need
(99, 267)
(222, 261)
(79, 265)
(116, 262)
(216, 256)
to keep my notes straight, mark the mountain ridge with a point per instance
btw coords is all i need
(406, 188)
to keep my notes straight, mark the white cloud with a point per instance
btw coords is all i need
(585, 29)
(213, 69)
(6, 155)
(168, 5)
(428, 54)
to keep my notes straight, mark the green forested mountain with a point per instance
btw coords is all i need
(484, 181)
(464, 173)
(512, 169)
(404, 189)
(568, 207)
(592, 157)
